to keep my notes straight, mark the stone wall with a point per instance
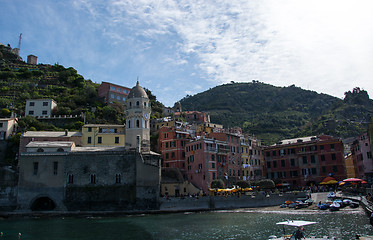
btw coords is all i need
(122, 181)
(229, 202)
(8, 189)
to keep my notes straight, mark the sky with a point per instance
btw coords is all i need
(178, 48)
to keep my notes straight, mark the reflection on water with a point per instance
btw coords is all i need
(237, 224)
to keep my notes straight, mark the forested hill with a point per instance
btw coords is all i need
(274, 113)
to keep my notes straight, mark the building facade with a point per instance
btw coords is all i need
(362, 157)
(305, 161)
(103, 135)
(172, 142)
(8, 126)
(252, 159)
(40, 108)
(113, 93)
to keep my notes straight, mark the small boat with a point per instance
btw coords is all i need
(347, 202)
(331, 195)
(323, 206)
(334, 206)
(309, 201)
(354, 204)
(294, 223)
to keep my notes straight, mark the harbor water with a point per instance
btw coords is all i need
(230, 224)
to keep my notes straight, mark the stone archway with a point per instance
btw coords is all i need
(43, 204)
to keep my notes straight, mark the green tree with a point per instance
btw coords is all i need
(217, 183)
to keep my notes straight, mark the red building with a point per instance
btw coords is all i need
(305, 161)
(215, 157)
(171, 142)
(113, 93)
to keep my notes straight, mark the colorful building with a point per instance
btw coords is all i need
(362, 157)
(172, 142)
(305, 161)
(251, 158)
(113, 93)
(103, 135)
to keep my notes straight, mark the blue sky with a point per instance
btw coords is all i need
(185, 47)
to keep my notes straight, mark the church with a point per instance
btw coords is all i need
(59, 175)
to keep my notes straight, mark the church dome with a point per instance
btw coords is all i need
(137, 92)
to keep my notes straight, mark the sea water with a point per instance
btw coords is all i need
(235, 224)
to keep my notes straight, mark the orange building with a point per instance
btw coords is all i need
(113, 93)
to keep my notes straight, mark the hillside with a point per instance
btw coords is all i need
(273, 113)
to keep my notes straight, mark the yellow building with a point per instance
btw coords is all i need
(208, 127)
(103, 135)
(350, 166)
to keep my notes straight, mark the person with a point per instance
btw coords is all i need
(299, 234)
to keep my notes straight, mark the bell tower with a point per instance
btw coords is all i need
(138, 120)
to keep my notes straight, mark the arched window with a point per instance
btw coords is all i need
(40, 150)
(137, 123)
(129, 124)
(144, 104)
(130, 104)
(137, 103)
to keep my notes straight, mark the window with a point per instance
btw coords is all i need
(118, 97)
(145, 104)
(112, 96)
(304, 159)
(45, 103)
(292, 162)
(44, 112)
(89, 140)
(116, 139)
(334, 156)
(129, 123)
(89, 129)
(30, 112)
(40, 150)
(118, 89)
(112, 88)
(335, 168)
(173, 155)
(323, 169)
(313, 159)
(36, 167)
(321, 147)
(70, 179)
(93, 178)
(60, 150)
(274, 164)
(1, 124)
(137, 103)
(332, 146)
(167, 155)
(55, 168)
(99, 140)
(124, 91)
(313, 171)
(322, 158)
(32, 104)
(117, 178)
(137, 123)
(282, 163)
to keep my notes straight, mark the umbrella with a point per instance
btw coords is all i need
(353, 180)
(329, 182)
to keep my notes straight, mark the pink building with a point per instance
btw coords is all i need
(362, 157)
(216, 156)
(172, 142)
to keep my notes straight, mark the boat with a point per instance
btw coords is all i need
(354, 204)
(323, 206)
(332, 195)
(295, 223)
(335, 206)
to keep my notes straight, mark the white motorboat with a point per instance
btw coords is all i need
(295, 223)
